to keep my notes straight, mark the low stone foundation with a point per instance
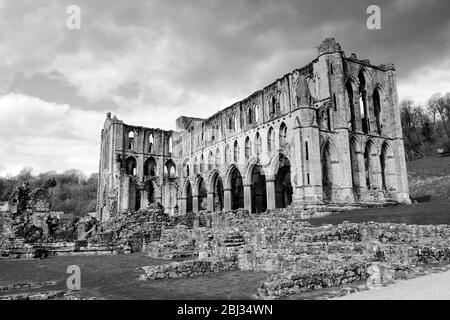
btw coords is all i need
(20, 250)
(188, 268)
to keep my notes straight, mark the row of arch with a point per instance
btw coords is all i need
(370, 169)
(131, 145)
(369, 100)
(263, 191)
(150, 167)
(232, 154)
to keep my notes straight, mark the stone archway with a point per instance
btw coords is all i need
(258, 189)
(202, 193)
(329, 174)
(283, 186)
(237, 189)
(217, 191)
(189, 202)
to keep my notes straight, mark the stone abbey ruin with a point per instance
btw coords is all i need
(327, 134)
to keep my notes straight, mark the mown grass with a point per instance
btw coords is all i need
(438, 187)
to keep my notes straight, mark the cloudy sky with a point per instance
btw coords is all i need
(150, 61)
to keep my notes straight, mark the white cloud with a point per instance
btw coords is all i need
(426, 81)
(47, 136)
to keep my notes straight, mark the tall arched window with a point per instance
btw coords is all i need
(150, 167)
(195, 165)
(377, 109)
(258, 144)
(270, 140)
(351, 104)
(150, 143)
(256, 113)
(363, 102)
(367, 164)
(283, 135)
(130, 140)
(170, 145)
(217, 161)
(272, 105)
(228, 158)
(250, 115)
(236, 152)
(130, 166)
(210, 160)
(202, 163)
(169, 169)
(248, 149)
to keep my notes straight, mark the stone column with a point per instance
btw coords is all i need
(210, 199)
(126, 193)
(248, 197)
(227, 199)
(183, 205)
(144, 199)
(195, 203)
(270, 190)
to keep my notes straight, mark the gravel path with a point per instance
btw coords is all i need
(435, 286)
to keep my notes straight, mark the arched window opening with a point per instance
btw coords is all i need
(250, 115)
(236, 152)
(273, 103)
(228, 158)
(237, 190)
(202, 196)
(283, 186)
(150, 143)
(363, 103)
(248, 149)
(327, 174)
(130, 165)
(329, 119)
(367, 164)
(258, 190)
(195, 166)
(351, 104)
(131, 140)
(377, 109)
(202, 163)
(217, 161)
(236, 122)
(189, 200)
(150, 167)
(170, 145)
(210, 161)
(258, 145)
(283, 135)
(187, 171)
(354, 165)
(270, 140)
(256, 113)
(169, 170)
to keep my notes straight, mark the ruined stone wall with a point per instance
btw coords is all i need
(307, 123)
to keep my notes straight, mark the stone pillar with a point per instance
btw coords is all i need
(126, 193)
(270, 190)
(227, 199)
(248, 197)
(183, 205)
(344, 167)
(144, 199)
(195, 203)
(210, 200)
